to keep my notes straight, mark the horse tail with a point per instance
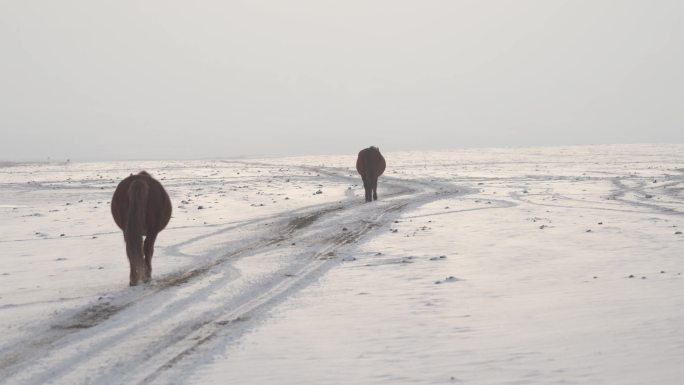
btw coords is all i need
(135, 225)
(371, 168)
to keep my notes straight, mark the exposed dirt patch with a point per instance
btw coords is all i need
(306, 220)
(92, 316)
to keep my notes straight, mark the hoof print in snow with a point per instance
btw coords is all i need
(61, 259)
(394, 230)
(678, 232)
(348, 258)
(200, 207)
(588, 231)
(630, 276)
(344, 229)
(378, 253)
(318, 192)
(438, 258)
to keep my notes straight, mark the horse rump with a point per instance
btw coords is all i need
(370, 164)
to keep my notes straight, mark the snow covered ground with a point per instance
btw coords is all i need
(489, 266)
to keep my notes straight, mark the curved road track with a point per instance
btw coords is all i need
(152, 334)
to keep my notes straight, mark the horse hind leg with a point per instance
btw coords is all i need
(149, 251)
(367, 188)
(135, 258)
(375, 189)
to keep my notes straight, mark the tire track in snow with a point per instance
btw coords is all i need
(93, 315)
(640, 190)
(167, 365)
(617, 195)
(143, 334)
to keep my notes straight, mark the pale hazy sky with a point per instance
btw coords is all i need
(123, 79)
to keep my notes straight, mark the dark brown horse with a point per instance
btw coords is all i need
(140, 207)
(370, 164)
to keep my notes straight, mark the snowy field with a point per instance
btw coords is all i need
(491, 266)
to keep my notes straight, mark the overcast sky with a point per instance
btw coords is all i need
(123, 79)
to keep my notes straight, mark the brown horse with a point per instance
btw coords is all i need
(370, 164)
(140, 207)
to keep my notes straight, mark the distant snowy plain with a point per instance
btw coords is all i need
(490, 266)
